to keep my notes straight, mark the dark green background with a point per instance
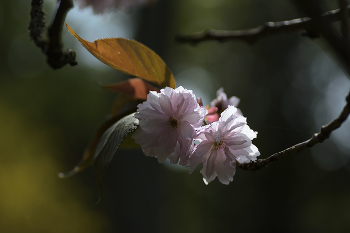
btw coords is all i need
(288, 85)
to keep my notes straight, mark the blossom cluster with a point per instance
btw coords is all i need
(175, 125)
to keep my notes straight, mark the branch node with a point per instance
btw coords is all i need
(49, 40)
(347, 99)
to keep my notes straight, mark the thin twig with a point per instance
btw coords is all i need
(252, 35)
(50, 40)
(325, 133)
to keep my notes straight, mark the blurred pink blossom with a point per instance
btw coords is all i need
(222, 144)
(212, 115)
(219, 104)
(100, 6)
(221, 101)
(168, 123)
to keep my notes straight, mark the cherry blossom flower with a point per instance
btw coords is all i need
(221, 101)
(222, 144)
(212, 115)
(100, 6)
(168, 123)
(219, 104)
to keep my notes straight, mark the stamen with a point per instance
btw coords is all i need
(218, 144)
(173, 123)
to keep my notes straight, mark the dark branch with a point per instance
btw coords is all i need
(345, 25)
(325, 133)
(50, 40)
(252, 35)
(340, 49)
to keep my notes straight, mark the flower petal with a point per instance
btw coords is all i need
(165, 104)
(225, 171)
(158, 136)
(210, 168)
(221, 144)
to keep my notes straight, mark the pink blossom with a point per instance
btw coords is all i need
(222, 144)
(100, 6)
(212, 115)
(168, 123)
(221, 101)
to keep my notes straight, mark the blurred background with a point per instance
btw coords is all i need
(288, 85)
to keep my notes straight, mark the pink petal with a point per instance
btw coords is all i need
(237, 142)
(195, 160)
(212, 110)
(212, 118)
(165, 104)
(180, 107)
(148, 113)
(150, 125)
(233, 101)
(230, 111)
(174, 157)
(192, 117)
(166, 146)
(203, 148)
(210, 168)
(250, 133)
(224, 171)
(141, 137)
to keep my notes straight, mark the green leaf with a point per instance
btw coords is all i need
(109, 143)
(88, 156)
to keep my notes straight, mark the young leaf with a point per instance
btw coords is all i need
(130, 57)
(88, 157)
(109, 143)
(135, 87)
(124, 103)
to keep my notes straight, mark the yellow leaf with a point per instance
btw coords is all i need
(131, 57)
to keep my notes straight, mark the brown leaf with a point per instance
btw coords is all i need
(131, 57)
(124, 103)
(135, 87)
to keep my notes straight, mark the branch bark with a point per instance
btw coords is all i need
(49, 40)
(339, 47)
(319, 137)
(253, 34)
(345, 23)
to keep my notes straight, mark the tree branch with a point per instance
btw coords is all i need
(325, 133)
(339, 47)
(50, 40)
(253, 34)
(345, 25)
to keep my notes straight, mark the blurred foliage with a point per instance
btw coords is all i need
(286, 84)
(32, 199)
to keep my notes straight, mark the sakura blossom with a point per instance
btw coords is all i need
(212, 115)
(222, 144)
(168, 123)
(100, 6)
(220, 104)
(221, 101)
